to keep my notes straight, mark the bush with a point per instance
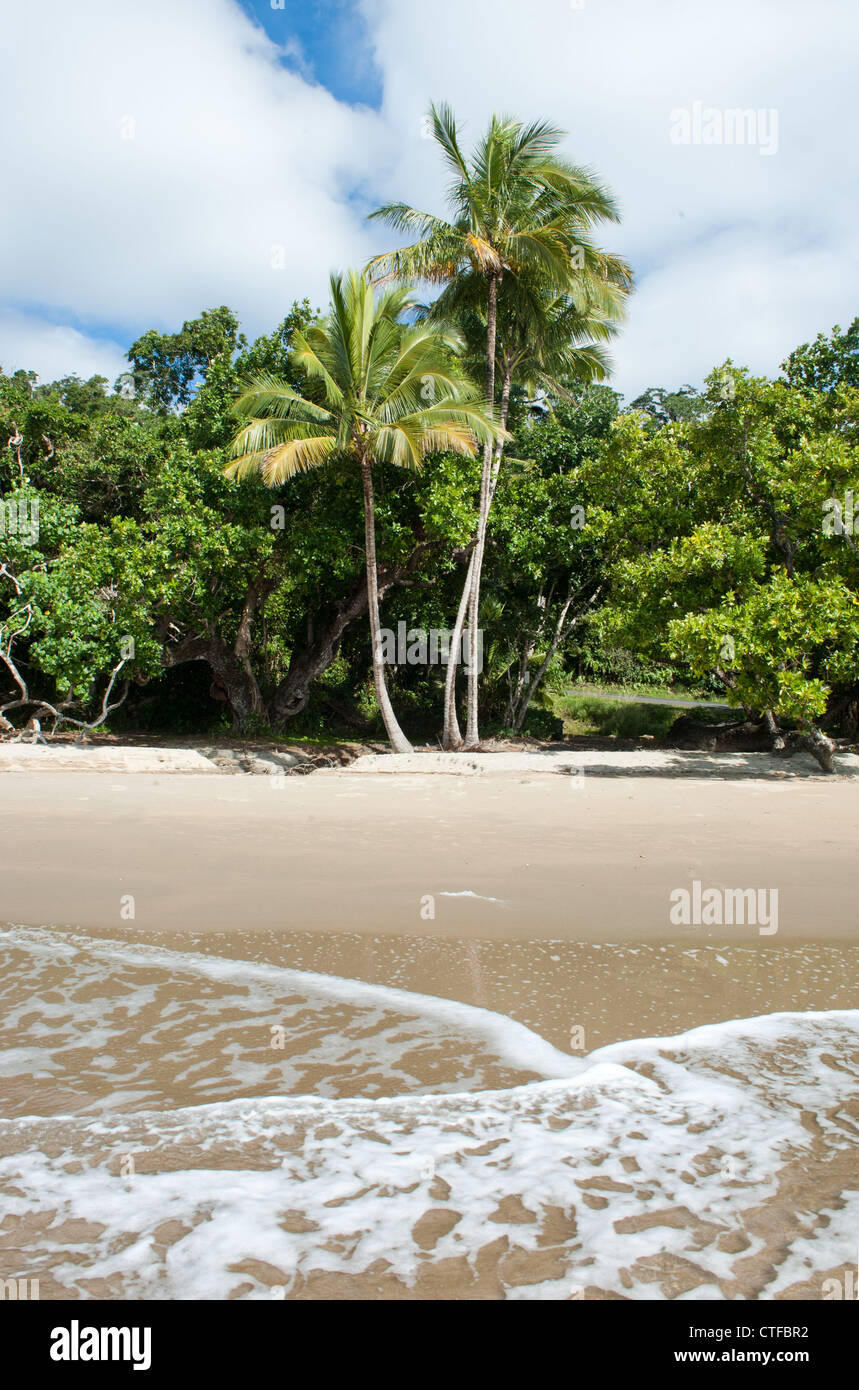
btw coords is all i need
(542, 723)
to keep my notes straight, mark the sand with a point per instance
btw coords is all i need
(523, 856)
(157, 1140)
(457, 965)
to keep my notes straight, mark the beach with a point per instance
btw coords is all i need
(517, 855)
(366, 1035)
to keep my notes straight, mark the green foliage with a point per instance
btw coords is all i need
(543, 723)
(703, 559)
(165, 366)
(670, 407)
(722, 561)
(584, 714)
(827, 363)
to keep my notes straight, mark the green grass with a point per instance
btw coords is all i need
(665, 692)
(613, 719)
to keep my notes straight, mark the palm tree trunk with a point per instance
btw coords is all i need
(489, 479)
(399, 742)
(451, 737)
(472, 735)
(470, 601)
(506, 384)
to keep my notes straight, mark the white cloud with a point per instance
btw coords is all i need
(233, 155)
(53, 350)
(735, 253)
(161, 152)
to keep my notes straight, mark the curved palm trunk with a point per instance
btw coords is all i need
(489, 482)
(451, 737)
(399, 742)
(472, 735)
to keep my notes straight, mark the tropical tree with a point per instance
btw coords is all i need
(548, 343)
(517, 209)
(733, 551)
(389, 392)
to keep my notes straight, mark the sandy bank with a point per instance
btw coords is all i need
(642, 762)
(273, 761)
(525, 856)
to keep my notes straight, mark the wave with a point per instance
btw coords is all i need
(401, 1145)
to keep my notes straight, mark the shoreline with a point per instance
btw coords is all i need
(389, 1143)
(578, 996)
(160, 1143)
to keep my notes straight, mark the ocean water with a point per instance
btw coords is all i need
(175, 1124)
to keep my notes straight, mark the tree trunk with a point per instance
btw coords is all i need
(506, 384)
(451, 737)
(561, 633)
(325, 629)
(472, 733)
(808, 738)
(515, 691)
(399, 742)
(309, 662)
(758, 733)
(533, 686)
(230, 665)
(772, 728)
(230, 674)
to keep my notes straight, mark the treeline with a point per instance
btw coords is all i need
(191, 549)
(693, 535)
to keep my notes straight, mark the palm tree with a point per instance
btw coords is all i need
(389, 393)
(546, 342)
(517, 209)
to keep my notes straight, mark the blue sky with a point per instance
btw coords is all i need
(333, 41)
(182, 154)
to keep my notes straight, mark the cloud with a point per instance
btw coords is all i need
(167, 157)
(54, 350)
(166, 160)
(736, 253)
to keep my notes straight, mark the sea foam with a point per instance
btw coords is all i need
(719, 1163)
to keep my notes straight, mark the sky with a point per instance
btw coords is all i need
(164, 157)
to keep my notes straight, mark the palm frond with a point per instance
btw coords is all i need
(446, 136)
(394, 391)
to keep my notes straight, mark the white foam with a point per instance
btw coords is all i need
(468, 893)
(641, 1170)
(215, 1018)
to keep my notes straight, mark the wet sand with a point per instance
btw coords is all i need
(373, 1037)
(509, 857)
(180, 1125)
